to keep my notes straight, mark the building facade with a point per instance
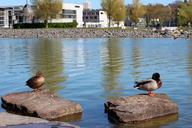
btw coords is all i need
(95, 19)
(24, 14)
(98, 19)
(6, 17)
(70, 13)
(15, 14)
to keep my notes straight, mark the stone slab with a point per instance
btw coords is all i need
(138, 108)
(41, 104)
(8, 120)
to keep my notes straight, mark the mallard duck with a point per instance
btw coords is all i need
(36, 81)
(149, 84)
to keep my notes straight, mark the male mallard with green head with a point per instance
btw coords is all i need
(149, 84)
(36, 81)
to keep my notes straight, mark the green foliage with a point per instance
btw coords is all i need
(108, 6)
(28, 25)
(136, 11)
(115, 9)
(63, 25)
(185, 14)
(47, 9)
(42, 25)
(164, 14)
(119, 12)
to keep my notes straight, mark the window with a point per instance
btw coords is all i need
(70, 16)
(77, 6)
(69, 11)
(1, 12)
(1, 22)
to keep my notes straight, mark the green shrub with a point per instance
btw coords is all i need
(42, 25)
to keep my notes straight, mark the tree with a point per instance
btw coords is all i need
(135, 11)
(119, 12)
(185, 14)
(107, 6)
(164, 14)
(47, 9)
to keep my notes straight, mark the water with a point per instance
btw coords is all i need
(90, 71)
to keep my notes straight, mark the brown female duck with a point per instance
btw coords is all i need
(36, 81)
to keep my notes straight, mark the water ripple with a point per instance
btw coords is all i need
(90, 71)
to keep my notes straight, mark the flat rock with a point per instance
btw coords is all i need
(8, 120)
(41, 104)
(140, 107)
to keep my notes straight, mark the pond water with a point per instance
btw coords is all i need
(90, 71)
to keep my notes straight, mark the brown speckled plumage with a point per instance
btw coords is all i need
(36, 81)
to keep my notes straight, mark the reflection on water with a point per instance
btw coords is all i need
(154, 123)
(190, 58)
(89, 71)
(112, 66)
(136, 58)
(46, 56)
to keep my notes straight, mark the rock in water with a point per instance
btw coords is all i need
(8, 120)
(140, 107)
(41, 104)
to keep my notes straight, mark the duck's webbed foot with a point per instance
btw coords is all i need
(37, 90)
(151, 94)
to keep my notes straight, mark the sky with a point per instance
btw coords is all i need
(95, 3)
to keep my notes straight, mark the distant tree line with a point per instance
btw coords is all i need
(173, 14)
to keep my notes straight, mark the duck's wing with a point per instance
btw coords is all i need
(159, 83)
(143, 82)
(31, 80)
(147, 85)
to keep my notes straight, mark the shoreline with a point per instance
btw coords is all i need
(90, 33)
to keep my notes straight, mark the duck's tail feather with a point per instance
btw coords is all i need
(136, 84)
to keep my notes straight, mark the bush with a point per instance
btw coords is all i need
(42, 25)
(29, 25)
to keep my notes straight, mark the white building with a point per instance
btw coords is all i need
(98, 19)
(6, 17)
(70, 13)
(12, 15)
(24, 14)
(95, 19)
